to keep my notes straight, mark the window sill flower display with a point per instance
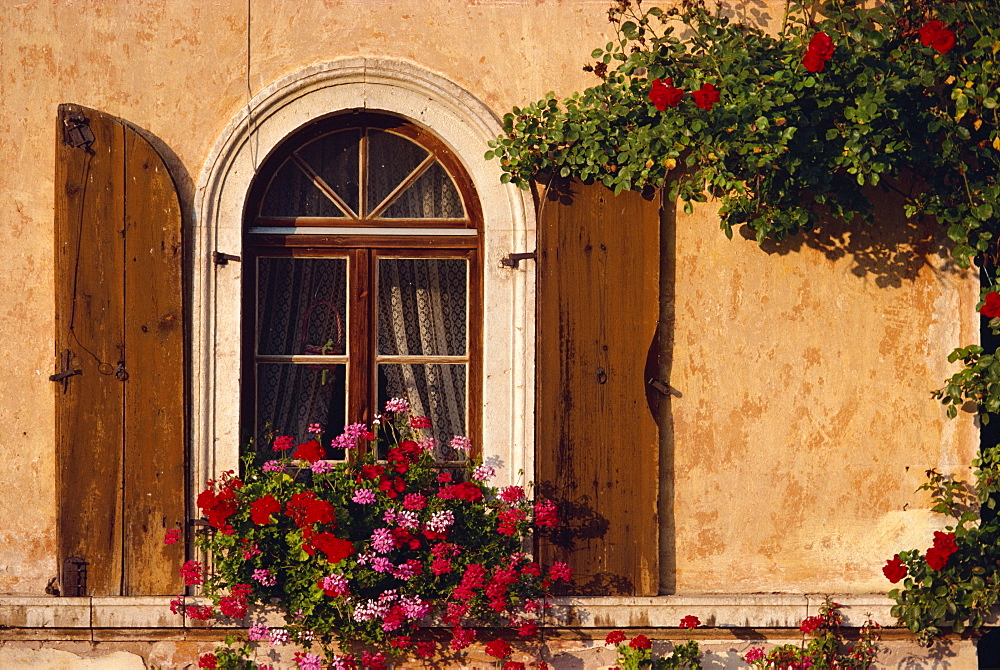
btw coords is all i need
(362, 553)
(786, 129)
(826, 647)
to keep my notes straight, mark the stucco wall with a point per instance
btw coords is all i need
(804, 423)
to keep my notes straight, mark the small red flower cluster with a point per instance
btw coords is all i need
(664, 94)
(464, 491)
(219, 506)
(819, 51)
(690, 621)
(617, 637)
(936, 36)
(311, 451)
(944, 547)
(991, 309)
(208, 661)
(172, 536)
(894, 570)
(498, 649)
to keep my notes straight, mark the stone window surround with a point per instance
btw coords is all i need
(465, 125)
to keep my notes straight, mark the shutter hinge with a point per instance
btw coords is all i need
(512, 260)
(220, 258)
(77, 132)
(74, 577)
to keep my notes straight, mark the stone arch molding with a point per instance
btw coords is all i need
(465, 124)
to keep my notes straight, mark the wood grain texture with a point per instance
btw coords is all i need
(154, 433)
(90, 324)
(117, 498)
(597, 450)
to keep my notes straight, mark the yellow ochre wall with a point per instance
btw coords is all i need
(804, 422)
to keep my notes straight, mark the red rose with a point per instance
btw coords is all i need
(690, 621)
(813, 62)
(663, 94)
(935, 35)
(615, 637)
(822, 45)
(262, 508)
(894, 570)
(498, 648)
(937, 558)
(706, 97)
(992, 307)
(945, 542)
(640, 642)
(311, 451)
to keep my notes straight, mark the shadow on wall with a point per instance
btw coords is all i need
(892, 251)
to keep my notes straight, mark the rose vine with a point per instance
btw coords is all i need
(786, 129)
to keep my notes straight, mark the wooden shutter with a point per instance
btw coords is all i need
(597, 450)
(119, 321)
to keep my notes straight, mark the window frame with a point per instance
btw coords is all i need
(389, 238)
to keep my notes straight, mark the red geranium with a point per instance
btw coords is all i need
(690, 621)
(262, 508)
(640, 642)
(208, 661)
(463, 491)
(992, 307)
(335, 548)
(498, 648)
(894, 570)
(936, 36)
(306, 509)
(706, 97)
(311, 451)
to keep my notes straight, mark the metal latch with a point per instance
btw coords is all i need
(220, 258)
(65, 370)
(512, 260)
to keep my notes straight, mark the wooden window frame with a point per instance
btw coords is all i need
(389, 238)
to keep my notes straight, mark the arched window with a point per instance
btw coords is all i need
(362, 282)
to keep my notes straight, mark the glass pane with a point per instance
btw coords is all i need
(422, 306)
(390, 159)
(292, 193)
(433, 195)
(436, 391)
(291, 396)
(301, 306)
(334, 158)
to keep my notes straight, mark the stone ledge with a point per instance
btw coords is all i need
(714, 611)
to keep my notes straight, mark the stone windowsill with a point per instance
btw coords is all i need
(714, 611)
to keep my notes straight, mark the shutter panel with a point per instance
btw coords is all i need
(119, 320)
(597, 448)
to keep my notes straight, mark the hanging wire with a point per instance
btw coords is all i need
(251, 122)
(103, 367)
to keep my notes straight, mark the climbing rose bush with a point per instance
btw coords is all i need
(367, 550)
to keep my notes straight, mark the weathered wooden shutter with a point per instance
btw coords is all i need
(597, 449)
(119, 322)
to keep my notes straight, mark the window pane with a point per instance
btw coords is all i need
(334, 158)
(301, 306)
(391, 159)
(422, 306)
(436, 391)
(292, 396)
(293, 193)
(433, 195)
